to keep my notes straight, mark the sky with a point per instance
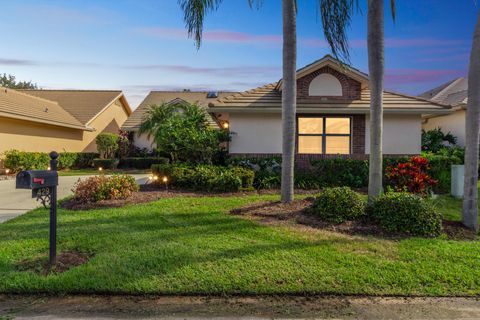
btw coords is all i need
(141, 45)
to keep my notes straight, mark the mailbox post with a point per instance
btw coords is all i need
(53, 211)
(43, 184)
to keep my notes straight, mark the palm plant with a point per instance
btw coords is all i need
(472, 130)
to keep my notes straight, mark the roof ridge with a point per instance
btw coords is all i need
(448, 86)
(236, 94)
(180, 91)
(446, 106)
(70, 90)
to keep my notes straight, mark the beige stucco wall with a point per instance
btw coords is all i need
(31, 136)
(401, 134)
(256, 133)
(454, 123)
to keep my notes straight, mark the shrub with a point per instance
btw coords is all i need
(411, 176)
(141, 163)
(440, 169)
(206, 177)
(105, 163)
(338, 204)
(20, 160)
(406, 213)
(341, 172)
(183, 131)
(98, 188)
(434, 140)
(107, 144)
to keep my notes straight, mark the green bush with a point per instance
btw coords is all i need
(20, 160)
(102, 187)
(107, 144)
(338, 204)
(105, 163)
(401, 212)
(440, 169)
(141, 162)
(341, 172)
(206, 177)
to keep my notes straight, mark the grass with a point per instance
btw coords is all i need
(193, 246)
(86, 172)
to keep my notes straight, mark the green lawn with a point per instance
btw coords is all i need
(86, 172)
(193, 246)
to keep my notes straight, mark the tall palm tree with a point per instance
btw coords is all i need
(472, 130)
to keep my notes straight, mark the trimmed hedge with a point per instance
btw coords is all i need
(337, 205)
(141, 162)
(206, 177)
(402, 212)
(440, 169)
(20, 160)
(105, 163)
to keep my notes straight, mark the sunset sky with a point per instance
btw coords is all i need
(138, 46)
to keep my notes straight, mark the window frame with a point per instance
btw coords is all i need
(324, 134)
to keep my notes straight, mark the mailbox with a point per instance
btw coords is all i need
(36, 179)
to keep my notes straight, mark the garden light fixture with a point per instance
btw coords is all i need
(7, 171)
(225, 125)
(100, 169)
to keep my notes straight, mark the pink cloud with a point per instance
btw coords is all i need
(410, 76)
(227, 36)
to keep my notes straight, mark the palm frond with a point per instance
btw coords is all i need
(336, 16)
(392, 8)
(194, 12)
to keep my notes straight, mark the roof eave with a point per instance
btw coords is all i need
(52, 123)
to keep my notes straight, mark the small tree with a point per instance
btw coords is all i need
(107, 145)
(182, 131)
(434, 140)
(9, 81)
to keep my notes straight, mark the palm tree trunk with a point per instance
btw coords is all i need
(472, 130)
(289, 97)
(375, 45)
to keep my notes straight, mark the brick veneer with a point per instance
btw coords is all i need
(358, 134)
(350, 88)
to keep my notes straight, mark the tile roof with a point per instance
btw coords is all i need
(268, 98)
(159, 97)
(18, 105)
(84, 105)
(454, 92)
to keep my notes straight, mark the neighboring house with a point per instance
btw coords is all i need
(333, 103)
(60, 120)
(133, 123)
(452, 93)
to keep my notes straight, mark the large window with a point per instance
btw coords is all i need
(324, 135)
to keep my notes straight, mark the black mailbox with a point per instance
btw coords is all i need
(36, 179)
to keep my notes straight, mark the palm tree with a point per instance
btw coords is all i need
(472, 129)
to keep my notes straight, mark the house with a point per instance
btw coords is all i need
(61, 120)
(333, 103)
(452, 93)
(202, 98)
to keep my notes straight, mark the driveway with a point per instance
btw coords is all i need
(14, 202)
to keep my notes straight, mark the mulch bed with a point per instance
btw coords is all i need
(149, 193)
(297, 215)
(65, 261)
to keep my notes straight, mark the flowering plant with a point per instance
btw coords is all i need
(411, 176)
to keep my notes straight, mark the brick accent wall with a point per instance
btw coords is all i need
(358, 134)
(350, 88)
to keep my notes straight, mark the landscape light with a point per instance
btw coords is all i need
(7, 171)
(150, 177)
(100, 169)
(225, 125)
(165, 179)
(155, 178)
(49, 168)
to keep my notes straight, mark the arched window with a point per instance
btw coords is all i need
(325, 85)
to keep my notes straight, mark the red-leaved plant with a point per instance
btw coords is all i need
(411, 176)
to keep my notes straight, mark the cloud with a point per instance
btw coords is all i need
(395, 77)
(226, 36)
(237, 71)
(16, 62)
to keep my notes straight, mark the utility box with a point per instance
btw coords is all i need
(458, 176)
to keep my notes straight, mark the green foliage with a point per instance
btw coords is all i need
(141, 163)
(107, 144)
(434, 140)
(98, 188)
(338, 204)
(206, 177)
(401, 212)
(20, 160)
(341, 172)
(182, 131)
(9, 81)
(440, 168)
(105, 163)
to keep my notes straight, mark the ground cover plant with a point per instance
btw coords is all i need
(194, 246)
